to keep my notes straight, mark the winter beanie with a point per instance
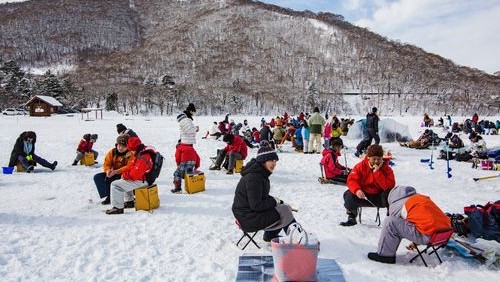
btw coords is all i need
(120, 128)
(191, 108)
(228, 138)
(375, 151)
(316, 110)
(265, 154)
(374, 109)
(133, 143)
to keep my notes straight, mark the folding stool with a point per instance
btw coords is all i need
(246, 234)
(437, 241)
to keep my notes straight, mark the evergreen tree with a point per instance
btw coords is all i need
(49, 85)
(313, 96)
(111, 102)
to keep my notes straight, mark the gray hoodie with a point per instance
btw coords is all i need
(397, 198)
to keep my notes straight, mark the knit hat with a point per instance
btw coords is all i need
(374, 109)
(120, 128)
(316, 110)
(191, 108)
(265, 154)
(375, 151)
(133, 143)
(228, 138)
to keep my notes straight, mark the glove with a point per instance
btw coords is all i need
(377, 167)
(278, 201)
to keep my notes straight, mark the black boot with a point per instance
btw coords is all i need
(351, 219)
(176, 190)
(269, 235)
(215, 167)
(129, 205)
(53, 165)
(114, 211)
(75, 162)
(382, 259)
(106, 201)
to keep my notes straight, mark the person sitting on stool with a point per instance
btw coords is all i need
(369, 183)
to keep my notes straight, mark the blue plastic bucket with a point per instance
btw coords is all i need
(7, 169)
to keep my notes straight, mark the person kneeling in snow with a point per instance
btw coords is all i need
(23, 153)
(253, 207)
(411, 216)
(133, 177)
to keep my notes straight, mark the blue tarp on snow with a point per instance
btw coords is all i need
(255, 268)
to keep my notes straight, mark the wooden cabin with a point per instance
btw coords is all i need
(43, 106)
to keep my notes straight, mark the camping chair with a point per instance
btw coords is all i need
(249, 235)
(437, 241)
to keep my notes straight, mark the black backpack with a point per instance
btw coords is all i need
(154, 172)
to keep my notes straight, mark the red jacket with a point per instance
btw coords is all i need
(238, 146)
(142, 165)
(362, 177)
(85, 146)
(256, 136)
(185, 153)
(331, 163)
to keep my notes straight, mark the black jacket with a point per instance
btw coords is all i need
(252, 205)
(18, 149)
(265, 133)
(372, 121)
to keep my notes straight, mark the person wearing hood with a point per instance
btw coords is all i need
(369, 183)
(187, 128)
(252, 206)
(133, 177)
(411, 216)
(23, 153)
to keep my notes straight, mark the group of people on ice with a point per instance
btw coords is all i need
(371, 182)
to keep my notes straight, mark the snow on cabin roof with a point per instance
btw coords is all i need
(47, 99)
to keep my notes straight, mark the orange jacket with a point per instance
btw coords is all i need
(116, 161)
(426, 215)
(362, 177)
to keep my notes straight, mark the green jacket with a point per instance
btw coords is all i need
(316, 122)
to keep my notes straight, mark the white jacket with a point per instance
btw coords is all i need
(187, 128)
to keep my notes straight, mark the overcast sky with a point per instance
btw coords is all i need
(465, 31)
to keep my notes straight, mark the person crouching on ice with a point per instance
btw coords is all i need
(411, 216)
(187, 161)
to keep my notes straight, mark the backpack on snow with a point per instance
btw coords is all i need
(484, 221)
(154, 172)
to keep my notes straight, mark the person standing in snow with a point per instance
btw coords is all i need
(411, 216)
(252, 206)
(316, 124)
(187, 128)
(369, 182)
(371, 132)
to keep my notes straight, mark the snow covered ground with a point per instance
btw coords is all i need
(51, 231)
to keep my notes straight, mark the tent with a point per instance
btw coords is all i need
(389, 130)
